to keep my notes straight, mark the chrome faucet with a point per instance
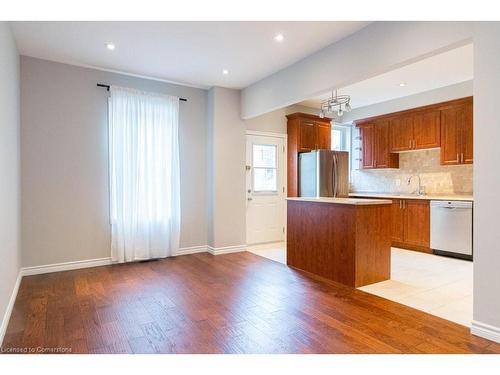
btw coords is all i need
(421, 189)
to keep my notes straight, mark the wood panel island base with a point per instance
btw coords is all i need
(345, 240)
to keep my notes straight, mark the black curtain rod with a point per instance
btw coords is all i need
(107, 88)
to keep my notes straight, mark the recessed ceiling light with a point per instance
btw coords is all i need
(279, 37)
(110, 46)
(225, 72)
(402, 84)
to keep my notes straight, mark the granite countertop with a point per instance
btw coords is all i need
(351, 201)
(448, 197)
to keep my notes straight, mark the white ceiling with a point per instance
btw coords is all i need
(441, 70)
(193, 53)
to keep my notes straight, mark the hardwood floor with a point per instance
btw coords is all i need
(234, 303)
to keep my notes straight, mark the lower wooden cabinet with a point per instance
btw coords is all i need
(411, 224)
(397, 221)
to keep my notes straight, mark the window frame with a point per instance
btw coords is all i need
(275, 168)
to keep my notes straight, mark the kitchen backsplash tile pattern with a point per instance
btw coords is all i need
(436, 179)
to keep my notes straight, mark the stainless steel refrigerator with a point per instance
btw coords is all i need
(324, 173)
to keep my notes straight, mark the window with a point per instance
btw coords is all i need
(265, 168)
(341, 137)
(341, 140)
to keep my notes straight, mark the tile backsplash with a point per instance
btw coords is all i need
(436, 179)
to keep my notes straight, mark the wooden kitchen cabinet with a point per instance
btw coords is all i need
(383, 158)
(447, 125)
(401, 133)
(375, 146)
(411, 224)
(417, 223)
(367, 134)
(415, 131)
(305, 133)
(397, 220)
(457, 134)
(324, 134)
(308, 137)
(426, 129)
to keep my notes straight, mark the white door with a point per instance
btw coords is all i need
(265, 189)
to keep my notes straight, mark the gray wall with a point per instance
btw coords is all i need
(10, 250)
(226, 161)
(486, 176)
(65, 215)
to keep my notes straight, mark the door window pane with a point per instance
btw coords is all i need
(264, 158)
(264, 179)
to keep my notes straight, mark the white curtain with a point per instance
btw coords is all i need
(144, 174)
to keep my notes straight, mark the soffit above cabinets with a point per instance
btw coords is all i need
(441, 70)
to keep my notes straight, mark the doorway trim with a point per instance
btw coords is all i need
(268, 134)
(284, 136)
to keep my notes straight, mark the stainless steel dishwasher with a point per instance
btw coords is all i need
(451, 228)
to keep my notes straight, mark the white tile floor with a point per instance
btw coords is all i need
(438, 285)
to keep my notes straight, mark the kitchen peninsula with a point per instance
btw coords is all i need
(346, 240)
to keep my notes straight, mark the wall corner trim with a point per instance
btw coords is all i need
(226, 249)
(10, 307)
(191, 250)
(485, 330)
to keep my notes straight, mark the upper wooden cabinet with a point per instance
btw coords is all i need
(401, 133)
(305, 133)
(456, 134)
(308, 135)
(415, 131)
(426, 129)
(324, 135)
(375, 146)
(447, 125)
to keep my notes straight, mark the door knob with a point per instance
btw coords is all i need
(249, 198)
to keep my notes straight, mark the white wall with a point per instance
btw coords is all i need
(65, 215)
(376, 49)
(486, 177)
(276, 121)
(226, 163)
(10, 250)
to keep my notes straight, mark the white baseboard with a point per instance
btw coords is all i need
(485, 330)
(191, 250)
(66, 266)
(10, 306)
(226, 249)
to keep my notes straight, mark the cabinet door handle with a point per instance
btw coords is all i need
(410, 143)
(400, 204)
(462, 158)
(458, 157)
